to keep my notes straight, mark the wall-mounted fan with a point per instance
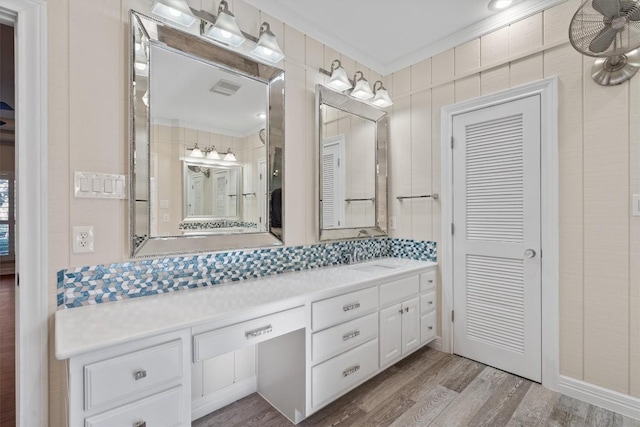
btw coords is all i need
(610, 31)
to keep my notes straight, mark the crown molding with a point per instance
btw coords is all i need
(520, 11)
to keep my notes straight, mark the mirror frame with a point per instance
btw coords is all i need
(347, 104)
(199, 49)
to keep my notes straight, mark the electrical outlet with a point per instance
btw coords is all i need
(82, 239)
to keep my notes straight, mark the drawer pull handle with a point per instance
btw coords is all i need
(347, 337)
(140, 424)
(430, 327)
(257, 332)
(351, 370)
(351, 307)
(138, 375)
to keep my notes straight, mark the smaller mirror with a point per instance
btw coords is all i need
(353, 167)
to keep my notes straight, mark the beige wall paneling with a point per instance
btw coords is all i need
(400, 166)
(59, 188)
(634, 235)
(556, 21)
(442, 67)
(566, 63)
(467, 88)
(97, 119)
(494, 47)
(526, 70)
(494, 79)
(248, 17)
(329, 56)
(421, 209)
(294, 44)
(314, 54)
(467, 57)
(525, 35)
(401, 83)
(421, 75)
(606, 234)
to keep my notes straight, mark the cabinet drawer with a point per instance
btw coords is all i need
(428, 280)
(399, 290)
(339, 374)
(428, 302)
(343, 337)
(427, 327)
(162, 409)
(132, 374)
(224, 340)
(342, 308)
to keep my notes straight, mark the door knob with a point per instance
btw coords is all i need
(530, 253)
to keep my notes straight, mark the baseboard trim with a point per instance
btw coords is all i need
(436, 344)
(600, 396)
(223, 397)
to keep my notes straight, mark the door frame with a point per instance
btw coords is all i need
(547, 89)
(32, 372)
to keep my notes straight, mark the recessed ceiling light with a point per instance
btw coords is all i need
(499, 4)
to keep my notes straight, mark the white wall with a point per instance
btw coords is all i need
(599, 144)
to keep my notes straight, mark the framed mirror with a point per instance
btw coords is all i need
(352, 138)
(207, 144)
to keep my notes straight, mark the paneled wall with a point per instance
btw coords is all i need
(599, 152)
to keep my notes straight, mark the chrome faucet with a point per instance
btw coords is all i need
(358, 254)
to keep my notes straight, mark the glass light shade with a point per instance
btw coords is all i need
(230, 157)
(176, 11)
(339, 80)
(362, 90)
(499, 4)
(225, 29)
(381, 98)
(196, 153)
(268, 47)
(212, 154)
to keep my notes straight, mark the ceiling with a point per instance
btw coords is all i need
(387, 36)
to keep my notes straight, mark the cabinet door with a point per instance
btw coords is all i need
(390, 334)
(410, 325)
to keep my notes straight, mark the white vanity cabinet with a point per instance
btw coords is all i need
(428, 306)
(140, 383)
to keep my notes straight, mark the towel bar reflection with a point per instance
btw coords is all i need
(373, 199)
(433, 196)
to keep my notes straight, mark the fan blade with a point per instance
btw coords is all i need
(631, 9)
(608, 8)
(603, 40)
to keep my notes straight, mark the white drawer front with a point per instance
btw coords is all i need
(427, 327)
(132, 374)
(399, 290)
(339, 374)
(428, 302)
(162, 409)
(342, 308)
(224, 340)
(341, 338)
(428, 280)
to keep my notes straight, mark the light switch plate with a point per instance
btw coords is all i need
(636, 205)
(94, 185)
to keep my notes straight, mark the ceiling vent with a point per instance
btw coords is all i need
(225, 87)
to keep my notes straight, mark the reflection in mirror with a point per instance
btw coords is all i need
(208, 131)
(352, 142)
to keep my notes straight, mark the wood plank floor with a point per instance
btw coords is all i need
(7, 352)
(431, 388)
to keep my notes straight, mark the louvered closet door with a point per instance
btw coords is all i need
(496, 241)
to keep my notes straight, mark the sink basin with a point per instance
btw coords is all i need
(373, 268)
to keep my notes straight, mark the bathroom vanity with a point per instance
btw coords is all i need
(316, 333)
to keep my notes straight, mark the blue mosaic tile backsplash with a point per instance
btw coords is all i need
(113, 282)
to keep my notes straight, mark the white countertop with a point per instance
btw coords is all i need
(83, 329)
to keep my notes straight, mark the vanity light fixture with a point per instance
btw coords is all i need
(362, 90)
(230, 157)
(225, 28)
(212, 153)
(338, 79)
(381, 98)
(497, 5)
(176, 11)
(196, 153)
(268, 47)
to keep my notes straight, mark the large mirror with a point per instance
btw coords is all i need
(207, 144)
(352, 137)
